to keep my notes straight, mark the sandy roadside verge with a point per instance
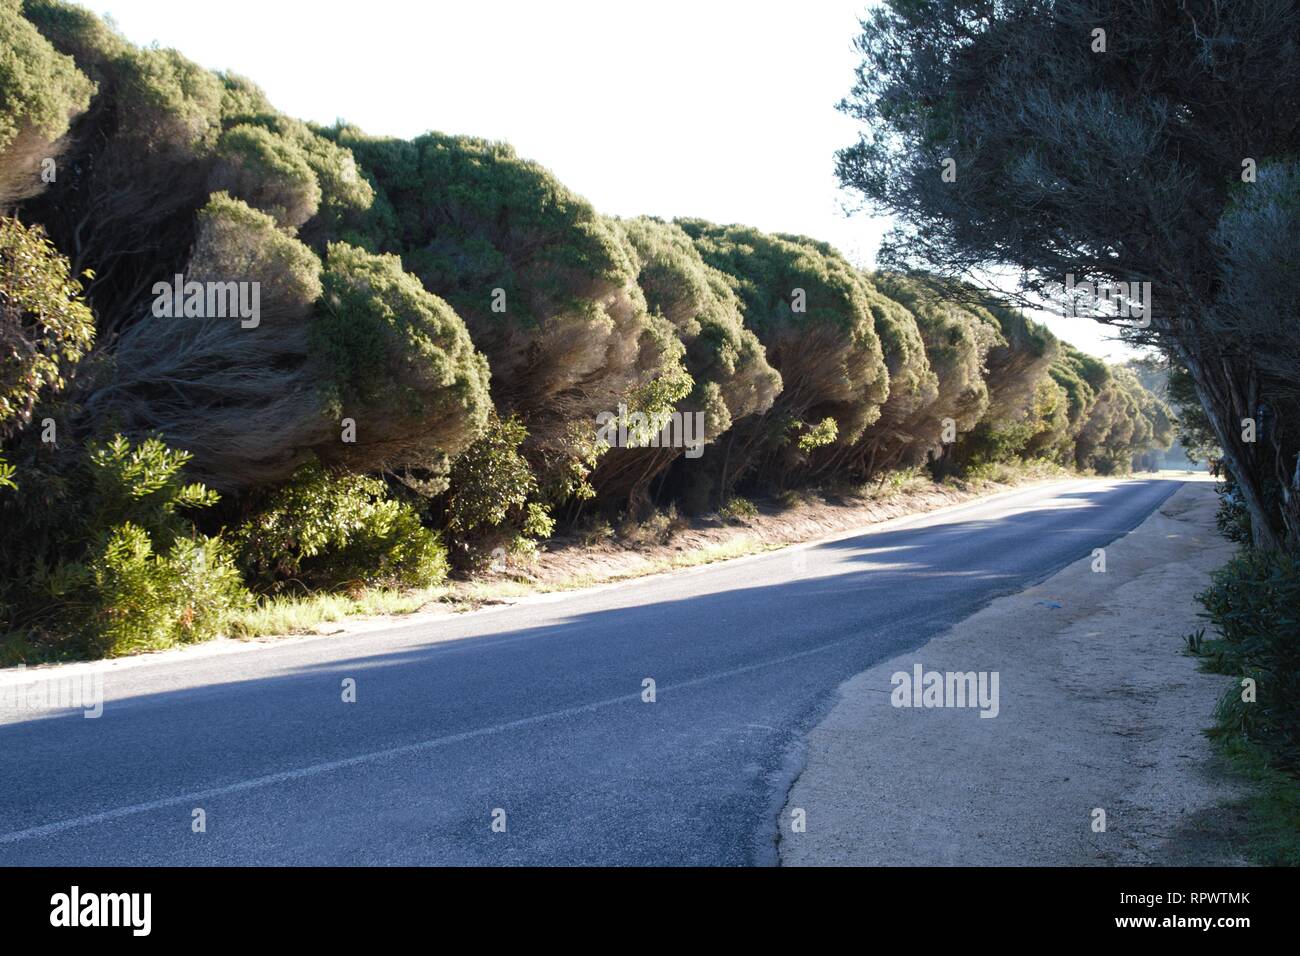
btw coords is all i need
(1098, 708)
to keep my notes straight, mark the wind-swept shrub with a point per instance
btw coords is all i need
(267, 172)
(253, 404)
(1125, 420)
(244, 402)
(323, 530)
(138, 168)
(913, 387)
(727, 365)
(343, 196)
(545, 285)
(399, 362)
(812, 312)
(1020, 392)
(41, 91)
(957, 341)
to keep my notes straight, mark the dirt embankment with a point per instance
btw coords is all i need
(662, 545)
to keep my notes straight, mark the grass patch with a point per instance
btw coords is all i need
(1272, 808)
(303, 614)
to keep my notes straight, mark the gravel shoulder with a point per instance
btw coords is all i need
(1099, 708)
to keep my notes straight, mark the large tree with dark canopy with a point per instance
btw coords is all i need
(1114, 140)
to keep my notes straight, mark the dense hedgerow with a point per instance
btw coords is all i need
(441, 328)
(957, 342)
(545, 284)
(892, 440)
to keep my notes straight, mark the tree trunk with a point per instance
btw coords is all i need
(1223, 403)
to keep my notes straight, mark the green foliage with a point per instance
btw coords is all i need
(324, 530)
(1232, 517)
(342, 196)
(1254, 603)
(472, 217)
(491, 484)
(45, 327)
(75, 32)
(41, 91)
(145, 601)
(116, 566)
(1116, 168)
(823, 433)
(234, 240)
(174, 103)
(399, 361)
(1125, 420)
(142, 485)
(738, 509)
(268, 172)
(546, 285)
(812, 311)
(725, 361)
(1195, 433)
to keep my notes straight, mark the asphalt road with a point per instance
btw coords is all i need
(535, 710)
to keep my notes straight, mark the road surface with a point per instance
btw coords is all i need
(531, 716)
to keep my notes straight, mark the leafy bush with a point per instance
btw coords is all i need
(45, 327)
(146, 601)
(817, 436)
(119, 566)
(398, 360)
(1232, 516)
(324, 530)
(1254, 603)
(738, 509)
(491, 483)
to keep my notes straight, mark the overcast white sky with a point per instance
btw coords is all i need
(722, 109)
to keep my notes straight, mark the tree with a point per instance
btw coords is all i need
(1111, 163)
